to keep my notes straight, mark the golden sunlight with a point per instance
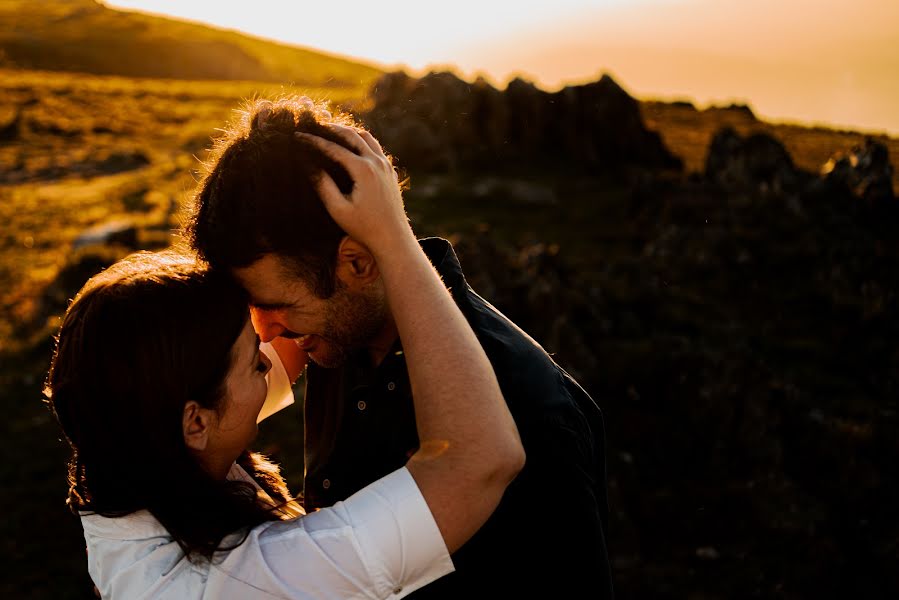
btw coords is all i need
(809, 61)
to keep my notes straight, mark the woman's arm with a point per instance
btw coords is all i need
(470, 449)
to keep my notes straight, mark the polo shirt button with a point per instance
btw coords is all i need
(391, 386)
(361, 405)
(398, 589)
(326, 483)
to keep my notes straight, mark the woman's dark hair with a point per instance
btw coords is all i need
(139, 340)
(258, 192)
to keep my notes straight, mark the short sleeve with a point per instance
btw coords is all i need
(382, 542)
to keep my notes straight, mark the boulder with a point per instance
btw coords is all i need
(758, 161)
(118, 232)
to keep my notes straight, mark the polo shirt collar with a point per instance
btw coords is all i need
(441, 254)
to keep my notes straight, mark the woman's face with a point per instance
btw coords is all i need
(245, 390)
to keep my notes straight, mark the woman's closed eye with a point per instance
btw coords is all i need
(263, 363)
(263, 366)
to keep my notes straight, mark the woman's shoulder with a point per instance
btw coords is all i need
(135, 526)
(133, 556)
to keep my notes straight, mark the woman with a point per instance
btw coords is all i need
(158, 381)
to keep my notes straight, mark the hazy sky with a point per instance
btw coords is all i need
(826, 61)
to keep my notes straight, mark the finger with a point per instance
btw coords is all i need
(331, 196)
(369, 139)
(351, 136)
(335, 151)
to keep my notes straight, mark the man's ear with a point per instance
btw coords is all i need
(196, 425)
(356, 266)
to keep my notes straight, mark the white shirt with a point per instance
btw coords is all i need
(382, 542)
(279, 395)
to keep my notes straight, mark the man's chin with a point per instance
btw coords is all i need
(327, 358)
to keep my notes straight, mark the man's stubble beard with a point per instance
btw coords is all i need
(352, 320)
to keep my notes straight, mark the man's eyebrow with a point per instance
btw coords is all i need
(269, 305)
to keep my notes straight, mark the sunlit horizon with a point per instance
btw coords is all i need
(812, 63)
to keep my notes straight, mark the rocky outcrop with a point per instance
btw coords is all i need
(861, 179)
(758, 161)
(865, 171)
(119, 232)
(744, 111)
(441, 123)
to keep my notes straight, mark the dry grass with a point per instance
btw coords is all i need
(81, 150)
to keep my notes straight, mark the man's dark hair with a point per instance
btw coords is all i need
(258, 194)
(139, 341)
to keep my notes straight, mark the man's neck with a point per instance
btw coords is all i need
(381, 344)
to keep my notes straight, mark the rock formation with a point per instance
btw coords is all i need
(758, 161)
(441, 123)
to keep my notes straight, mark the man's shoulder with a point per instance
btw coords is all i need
(531, 380)
(522, 366)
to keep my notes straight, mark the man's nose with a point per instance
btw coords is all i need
(266, 324)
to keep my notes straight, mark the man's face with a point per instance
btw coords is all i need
(281, 304)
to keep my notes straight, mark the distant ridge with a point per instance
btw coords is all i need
(86, 36)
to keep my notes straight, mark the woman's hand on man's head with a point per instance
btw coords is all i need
(372, 213)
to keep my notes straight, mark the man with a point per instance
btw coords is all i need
(259, 215)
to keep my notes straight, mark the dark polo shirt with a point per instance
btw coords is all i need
(548, 534)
